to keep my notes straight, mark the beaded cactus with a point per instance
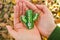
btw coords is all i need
(29, 18)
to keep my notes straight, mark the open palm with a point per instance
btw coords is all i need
(45, 22)
(20, 32)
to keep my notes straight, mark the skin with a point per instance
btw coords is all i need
(45, 23)
(20, 32)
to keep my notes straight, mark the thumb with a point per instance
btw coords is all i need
(10, 30)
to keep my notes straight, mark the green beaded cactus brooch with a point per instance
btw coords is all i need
(29, 18)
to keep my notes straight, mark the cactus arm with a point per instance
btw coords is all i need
(35, 17)
(23, 19)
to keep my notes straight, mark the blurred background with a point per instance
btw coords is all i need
(7, 14)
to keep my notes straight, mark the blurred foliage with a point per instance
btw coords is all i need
(6, 18)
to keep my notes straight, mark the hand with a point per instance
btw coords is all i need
(45, 23)
(20, 32)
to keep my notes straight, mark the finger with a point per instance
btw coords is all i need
(17, 23)
(19, 26)
(24, 8)
(43, 8)
(11, 31)
(21, 7)
(16, 15)
(32, 6)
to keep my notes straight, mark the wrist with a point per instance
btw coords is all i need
(50, 30)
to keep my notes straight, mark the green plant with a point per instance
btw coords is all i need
(29, 18)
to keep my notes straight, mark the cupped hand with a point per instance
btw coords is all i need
(45, 22)
(20, 32)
